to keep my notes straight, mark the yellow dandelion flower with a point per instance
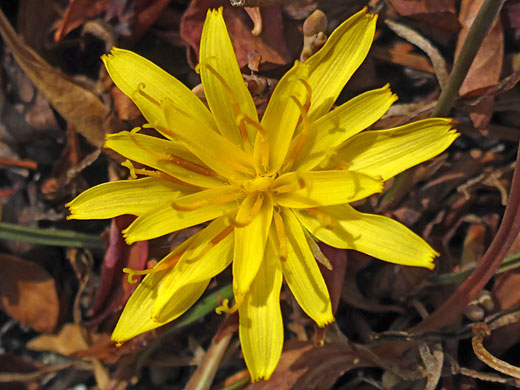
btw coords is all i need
(269, 187)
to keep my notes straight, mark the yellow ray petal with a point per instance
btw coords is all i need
(163, 155)
(302, 274)
(224, 87)
(187, 211)
(333, 65)
(386, 153)
(283, 113)
(260, 319)
(208, 255)
(250, 240)
(135, 75)
(135, 197)
(323, 188)
(215, 150)
(378, 236)
(137, 314)
(335, 127)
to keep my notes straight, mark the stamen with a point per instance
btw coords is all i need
(140, 91)
(237, 166)
(303, 137)
(325, 219)
(282, 236)
(252, 214)
(317, 253)
(169, 261)
(171, 157)
(128, 164)
(224, 307)
(224, 198)
(283, 189)
(235, 106)
(214, 241)
(157, 174)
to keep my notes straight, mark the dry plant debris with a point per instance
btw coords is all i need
(63, 289)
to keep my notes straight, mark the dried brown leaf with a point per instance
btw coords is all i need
(487, 65)
(28, 293)
(79, 106)
(303, 366)
(271, 43)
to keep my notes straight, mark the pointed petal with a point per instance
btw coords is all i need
(187, 211)
(159, 154)
(215, 150)
(323, 188)
(208, 255)
(333, 65)
(137, 314)
(223, 84)
(335, 127)
(135, 197)
(344, 227)
(133, 73)
(260, 319)
(302, 274)
(250, 242)
(282, 113)
(386, 153)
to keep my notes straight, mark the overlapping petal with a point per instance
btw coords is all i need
(210, 147)
(250, 240)
(104, 200)
(323, 188)
(224, 87)
(333, 65)
(302, 274)
(207, 255)
(337, 126)
(388, 152)
(135, 75)
(164, 155)
(343, 227)
(137, 314)
(184, 212)
(260, 319)
(283, 113)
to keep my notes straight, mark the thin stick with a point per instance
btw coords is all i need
(476, 34)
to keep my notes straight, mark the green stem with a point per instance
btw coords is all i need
(476, 34)
(509, 263)
(9, 231)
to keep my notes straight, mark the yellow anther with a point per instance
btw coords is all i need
(252, 213)
(190, 145)
(128, 164)
(301, 138)
(224, 198)
(325, 220)
(140, 91)
(290, 187)
(168, 262)
(224, 307)
(282, 236)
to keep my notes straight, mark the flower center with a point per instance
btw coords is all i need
(258, 184)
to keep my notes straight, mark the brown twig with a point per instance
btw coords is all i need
(257, 3)
(507, 232)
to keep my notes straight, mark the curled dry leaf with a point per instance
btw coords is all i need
(271, 43)
(487, 65)
(79, 106)
(303, 366)
(28, 293)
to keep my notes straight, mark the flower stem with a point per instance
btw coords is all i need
(9, 231)
(476, 34)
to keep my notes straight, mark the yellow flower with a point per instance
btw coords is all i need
(270, 186)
